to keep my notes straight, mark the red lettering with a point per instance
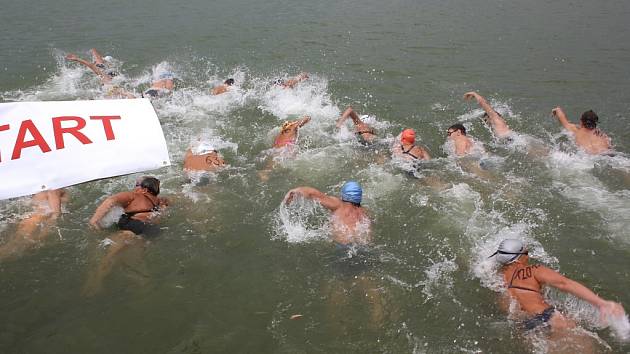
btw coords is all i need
(3, 127)
(20, 144)
(74, 131)
(107, 125)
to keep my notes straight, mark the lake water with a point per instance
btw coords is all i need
(232, 265)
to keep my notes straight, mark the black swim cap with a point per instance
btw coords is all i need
(152, 184)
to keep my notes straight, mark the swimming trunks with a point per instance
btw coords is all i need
(540, 319)
(137, 227)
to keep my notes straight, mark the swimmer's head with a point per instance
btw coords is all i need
(351, 192)
(364, 117)
(509, 251)
(229, 82)
(456, 127)
(151, 184)
(408, 136)
(278, 82)
(589, 119)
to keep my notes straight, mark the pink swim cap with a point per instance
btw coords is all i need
(408, 136)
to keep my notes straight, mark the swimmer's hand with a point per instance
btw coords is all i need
(610, 309)
(94, 225)
(556, 112)
(71, 56)
(470, 95)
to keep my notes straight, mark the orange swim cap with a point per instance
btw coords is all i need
(408, 136)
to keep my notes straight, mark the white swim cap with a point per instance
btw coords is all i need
(509, 251)
(364, 117)
(203, 148)
(107, 58)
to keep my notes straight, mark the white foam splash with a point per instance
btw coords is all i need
(301, 221)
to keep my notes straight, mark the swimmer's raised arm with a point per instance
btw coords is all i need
(562, 118)
(303, 121)
(496, 121)
(349, 113)
(344, 116)
(328, 202)
(122, 199)
(550, 277)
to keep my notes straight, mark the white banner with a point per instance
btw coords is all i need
(49, 145)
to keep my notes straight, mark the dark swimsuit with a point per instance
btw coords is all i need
(408, 152)
(139, 227)
(539, 319)
(108, 72)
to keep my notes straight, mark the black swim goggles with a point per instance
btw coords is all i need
(503, 252)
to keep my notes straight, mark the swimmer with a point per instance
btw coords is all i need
(98, 66)
(587, 136)
(223, 88)
(364, 132)
(292, 82)
(496, 121)
(142, 207)
(203, 157)
(163, 86)
(463, 144)
(351, 224)
(352, 234)
(524, 283)
(288, 135)
(36, 227)
(405, 147)
(102, 69)
(285, 143)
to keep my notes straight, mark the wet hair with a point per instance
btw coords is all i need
(229, 82)
(458, 126)
(152, 184)
(589, 119)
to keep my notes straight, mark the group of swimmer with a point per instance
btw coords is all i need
(351, 223)
(163, 85)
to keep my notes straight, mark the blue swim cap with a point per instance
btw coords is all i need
(351, 192)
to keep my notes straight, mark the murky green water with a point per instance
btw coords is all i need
(230, 268)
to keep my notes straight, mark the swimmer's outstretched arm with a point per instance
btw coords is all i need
(562, 118)
(91, 66)
(123, 199)
(328, 202)
(294, 81)
(550, 277)
(496, 121)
